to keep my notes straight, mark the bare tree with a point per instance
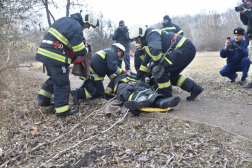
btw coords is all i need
(101, 37)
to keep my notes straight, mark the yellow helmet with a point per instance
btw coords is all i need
(89, 16)
(137, 30)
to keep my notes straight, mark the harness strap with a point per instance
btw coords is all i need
(56, 45)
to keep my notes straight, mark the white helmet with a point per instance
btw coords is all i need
(136, 30)
(89, 16)
(121, 47)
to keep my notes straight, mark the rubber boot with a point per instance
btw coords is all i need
(67, 113)
(75, 96)
(135, 104)
(166, 102)
(45, 103)
(191, 86)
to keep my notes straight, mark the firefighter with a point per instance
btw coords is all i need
(168, 26)
(103, 63)
(137, 94)
(166, 71)
(65, 34)
(139, 57)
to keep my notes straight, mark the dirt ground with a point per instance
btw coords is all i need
(221, 104)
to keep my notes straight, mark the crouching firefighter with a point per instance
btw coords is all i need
(137, 94)
(103, 63)
(65, 34)
(171, 54)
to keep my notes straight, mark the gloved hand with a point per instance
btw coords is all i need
(134, 77)
(235, 46)
(158, 71)
(107, 96)
(147, 79)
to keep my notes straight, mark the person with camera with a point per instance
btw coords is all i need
(168, 26)
(236, 52)
(121, 36)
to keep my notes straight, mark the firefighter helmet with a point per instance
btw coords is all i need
(121, 47)
(89, 16)
(136, 30)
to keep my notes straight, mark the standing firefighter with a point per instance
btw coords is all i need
(168, 26)
(168, 66)
(65, 34)
(103, 63)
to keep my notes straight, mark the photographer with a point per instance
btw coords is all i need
(235, 51)
(121, 36)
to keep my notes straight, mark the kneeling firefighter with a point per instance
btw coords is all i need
(103, 63)
(137, 94)
(59, 48)
(171, 54)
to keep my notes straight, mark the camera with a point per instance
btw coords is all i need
(240, 7)
(120, 28)
(234, 46)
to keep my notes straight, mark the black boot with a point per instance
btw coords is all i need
(75, 96)
(67, 113)
(191, 86)
(134, 104)
(166, 102)
(45, 103)
(195, 91)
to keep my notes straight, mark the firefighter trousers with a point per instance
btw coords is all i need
(57, 84)
(93, 88)
(172, 74)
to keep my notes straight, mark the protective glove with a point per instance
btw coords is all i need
(147, 79)
(158, 71)
(107, 96)
(235, 46)
(134, 77)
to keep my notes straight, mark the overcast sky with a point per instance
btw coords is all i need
(151, 12)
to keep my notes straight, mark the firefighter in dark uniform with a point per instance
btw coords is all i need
(65, 34)
(139, 57)
(137, 94)
(166, 71)
(168, 26)
(103, 63)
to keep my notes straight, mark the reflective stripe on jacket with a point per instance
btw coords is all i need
(104, 62)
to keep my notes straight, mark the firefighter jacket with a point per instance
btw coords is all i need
(64, 35)
(235, 57)
(157, 42)
(171, 27)
(138, 58)
(104, 63)
(114, 83)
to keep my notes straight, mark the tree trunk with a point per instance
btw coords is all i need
(67, 8)
(47, 13)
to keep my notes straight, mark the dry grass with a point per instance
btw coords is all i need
(150, 140)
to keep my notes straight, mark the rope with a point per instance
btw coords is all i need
(93, 135)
